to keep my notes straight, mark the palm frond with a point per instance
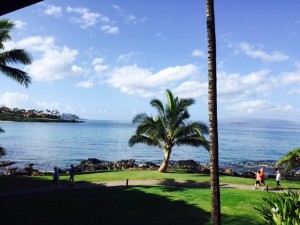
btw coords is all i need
(15, 56)
(143, 140)
(16, 74)
(191, 134)
(170, 98)
(193, 140)
(158, 105)
(139, 118)
(5, 27)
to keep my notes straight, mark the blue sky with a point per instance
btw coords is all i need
(108, 59)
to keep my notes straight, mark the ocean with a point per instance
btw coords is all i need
(60, 144)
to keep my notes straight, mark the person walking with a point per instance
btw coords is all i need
(72, 175)
(278, 178)
(56, 177)
(257, 180)
(262, 176)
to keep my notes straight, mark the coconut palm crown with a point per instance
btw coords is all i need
(12, 56)
(169, 128)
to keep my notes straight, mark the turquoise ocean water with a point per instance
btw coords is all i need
(61, 144)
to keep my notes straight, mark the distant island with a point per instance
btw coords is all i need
(259, 121)
(32, 115)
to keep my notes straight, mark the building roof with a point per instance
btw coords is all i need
(7, 6)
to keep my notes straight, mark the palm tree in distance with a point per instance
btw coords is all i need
(12, 56)
(169, 128)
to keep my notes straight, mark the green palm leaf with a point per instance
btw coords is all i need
(12, 56)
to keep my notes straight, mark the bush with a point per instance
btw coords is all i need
(291, 161)
(281, 209)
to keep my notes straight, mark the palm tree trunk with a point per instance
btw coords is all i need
(212, 111)
(165, 162)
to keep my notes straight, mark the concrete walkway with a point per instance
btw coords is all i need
(124, 183)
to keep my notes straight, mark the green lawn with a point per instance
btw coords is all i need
(161, 205)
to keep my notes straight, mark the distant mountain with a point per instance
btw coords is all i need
(257, 121)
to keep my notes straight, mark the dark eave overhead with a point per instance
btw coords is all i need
(7, 6)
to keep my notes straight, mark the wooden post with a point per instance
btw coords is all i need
(126, 182)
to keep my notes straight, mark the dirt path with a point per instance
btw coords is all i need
(124, 183)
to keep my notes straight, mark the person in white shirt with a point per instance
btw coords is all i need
(278, 178)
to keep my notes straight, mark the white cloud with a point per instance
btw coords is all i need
(55, 63)
(234, 86)
(99, 67)
(139, 81)
(52, 10)
(19, 24)
(55, 106)
(108, 29)
(128, 17)
(118, 8)
(198, 53)
(290, 77)
(34, 43)
(77, 69)
(85, 84)
(97, 61)
(294, 91)
(160, 36)
(89, 19)
(259, 106)
(14, 100)
(191, 89)
(86, 19)
(260, 54)
(125, 58)
(22, 101)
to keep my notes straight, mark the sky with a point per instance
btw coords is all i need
(107, 60)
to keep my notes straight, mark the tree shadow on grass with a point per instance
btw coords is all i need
(103, 205)
(185, 183)
(97, 204)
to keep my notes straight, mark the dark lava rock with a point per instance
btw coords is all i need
(229, 172)
(148, 165)
(92, 164)
(248, 174)
(189, 165)
(6, 163)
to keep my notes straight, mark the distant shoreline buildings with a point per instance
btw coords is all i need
(32, 115)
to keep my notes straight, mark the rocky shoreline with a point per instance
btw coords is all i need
(93, 165)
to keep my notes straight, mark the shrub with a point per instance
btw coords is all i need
(281, 209)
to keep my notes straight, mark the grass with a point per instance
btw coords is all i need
(162, 205)
(14, 182)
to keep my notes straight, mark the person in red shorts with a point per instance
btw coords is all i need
(257, 179)
(262, 176)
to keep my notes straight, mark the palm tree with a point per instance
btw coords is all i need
(169, 128)
(213, 116)
(12, 56)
